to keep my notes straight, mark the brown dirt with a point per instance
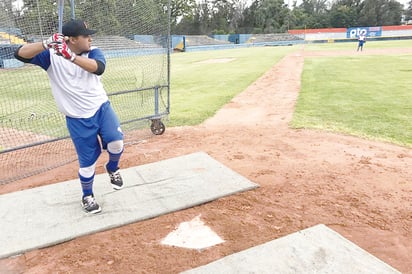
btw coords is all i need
(11, 138)
(360, 188)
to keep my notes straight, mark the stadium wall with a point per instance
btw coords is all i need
(340, 34)
(244, 45)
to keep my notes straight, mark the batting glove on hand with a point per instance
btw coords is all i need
(63, 50)
(53, 40)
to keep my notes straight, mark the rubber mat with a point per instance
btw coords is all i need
(317, 249)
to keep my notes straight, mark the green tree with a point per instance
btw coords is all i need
(408, 11)
(43, 12)
(344, 13)
(315, 7)
(312, 14)
(220, 11)
(203, 15)
(208, 16)
(179, 10)
(380, 13)
(6, 14)
(101, 15)
(247, 24)
(141, 16)
(239, 7)
(266, 16)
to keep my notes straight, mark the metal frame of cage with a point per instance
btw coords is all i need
(157, 126)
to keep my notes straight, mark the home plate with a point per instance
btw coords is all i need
(317, 249)
(193, 234)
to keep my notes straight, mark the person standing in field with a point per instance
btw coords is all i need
(74, 68)
(361, 41)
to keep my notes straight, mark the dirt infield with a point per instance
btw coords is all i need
(360, 188)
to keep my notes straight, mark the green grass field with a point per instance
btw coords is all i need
(202, 82)
(361, 95)
(354, 45)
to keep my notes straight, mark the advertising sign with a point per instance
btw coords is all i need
(368, 31)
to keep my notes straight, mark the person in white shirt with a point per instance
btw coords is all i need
(74, 68)
(361, 41)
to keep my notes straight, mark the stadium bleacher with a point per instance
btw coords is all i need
(272, 37)
(111, 42)
(11, 38)
(202, 40)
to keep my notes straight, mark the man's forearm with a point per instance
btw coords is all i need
(28, 51)
(85, 63)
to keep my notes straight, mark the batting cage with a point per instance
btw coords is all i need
(134, 36)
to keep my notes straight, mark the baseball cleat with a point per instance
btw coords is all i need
(90, 205)
(115, 178)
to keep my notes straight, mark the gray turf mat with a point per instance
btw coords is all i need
(314, 250)
(52, 214)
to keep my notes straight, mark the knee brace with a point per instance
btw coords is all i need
(115, 147)
(87, 172)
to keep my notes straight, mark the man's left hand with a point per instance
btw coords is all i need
(63, 50)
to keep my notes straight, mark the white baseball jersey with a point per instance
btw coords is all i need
(77, 92)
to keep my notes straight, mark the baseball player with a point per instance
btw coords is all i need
(74, 68)
(361, 41)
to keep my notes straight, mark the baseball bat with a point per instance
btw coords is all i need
(60, 7)
(72, 9)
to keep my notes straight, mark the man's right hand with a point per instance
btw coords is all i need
(53, 40)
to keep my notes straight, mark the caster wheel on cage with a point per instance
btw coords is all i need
(157, 127)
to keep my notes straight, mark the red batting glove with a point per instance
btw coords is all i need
(63, 50)
(50, 42)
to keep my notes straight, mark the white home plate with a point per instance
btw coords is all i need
(193, 234)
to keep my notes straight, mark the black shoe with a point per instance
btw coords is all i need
(90, 205)
(115, 178)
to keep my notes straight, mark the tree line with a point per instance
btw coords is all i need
(215, 16)
(274, 16)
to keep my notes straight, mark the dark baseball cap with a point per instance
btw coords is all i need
(76, 28)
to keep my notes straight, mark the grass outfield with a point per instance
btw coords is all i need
(361, 95)
(203, 82)
(354, 45)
